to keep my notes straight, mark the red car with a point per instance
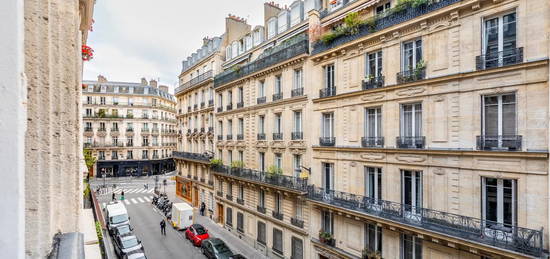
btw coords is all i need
(196, 233)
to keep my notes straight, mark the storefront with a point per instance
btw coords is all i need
(184, 189)
(120, 168)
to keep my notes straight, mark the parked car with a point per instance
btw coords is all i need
(125, 245)
(137, 255)
(196, 233)
(215, 248)
(122, 230)
(237, 256)
(116, 215)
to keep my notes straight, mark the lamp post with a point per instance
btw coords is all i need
(104, 176)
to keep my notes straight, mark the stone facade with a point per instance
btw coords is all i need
(129, 127)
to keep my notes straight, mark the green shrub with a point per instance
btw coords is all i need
(215, 162)
(418, 3)
(98, 231)
(328, 37)
(237, 164)
(352, 23)
(274, 170)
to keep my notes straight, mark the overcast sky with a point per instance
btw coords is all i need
(149, 38)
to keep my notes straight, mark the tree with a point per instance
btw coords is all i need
(89, 159)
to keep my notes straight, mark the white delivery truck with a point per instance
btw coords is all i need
(116, 215)
(182, 215)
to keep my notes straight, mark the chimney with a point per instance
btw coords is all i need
(271, 9)
(153, 83)
(205, 40)
(143, 81)
(101, 79)
(163, 88)
(235, 28)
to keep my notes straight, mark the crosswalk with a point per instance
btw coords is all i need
(132, 201)
(138, 190)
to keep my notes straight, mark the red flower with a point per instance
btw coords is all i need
(87, 53)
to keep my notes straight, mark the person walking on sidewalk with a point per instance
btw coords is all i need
(114, 197)
(203, 207)
(122, 195)
(163, 227)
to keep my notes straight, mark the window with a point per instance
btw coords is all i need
(230, 127)
(261, 232)
(88, 99)
(88, 112)
(241, 192)
(383, 8)
(411, 120)
(261, 161)
(229, 97)
(499, 202)
(220, 127)
(240, 222)
(261, 198)
(102, 100)
(101, 155)
(373, 237)
(327, 221)
(278, 85)
(298, 79)
(279, 160)
(373, 123)
(328, 176)
(298, 121)
(130, 155)
(412, 54)
(114, 155)
(329, 76)
(297, 165)
(220, 100)
(411, 247)
(374, 64)
(499, 115)
(261, 124)
(411, 190)
(373, 183)
(277, 240)
(272, 27)
(241, 94)
(211, 201)
(145, 154)
(89, 125)
(130, 142)
(297, 248)
(241, 126)
(277, 128)
(261, 89)
(499, 40)
(241, 156)
(229, 217)
(278, 202)
(230, 155)
(298, 208)
(328, 125)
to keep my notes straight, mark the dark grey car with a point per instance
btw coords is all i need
(215, 248)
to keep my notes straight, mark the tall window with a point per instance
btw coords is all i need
(328, 125)
(499, 115)
(329, 76)
(241, 155)
(373, 182)
(278, 85)
(297, 250)
(278, 202)
(241, 126)
(297, 165)
(261, 88)
(220, 127)
(220, 100)
(411, 190)
(261, 161)
(499, 40)
(261, 233)
(327, 221)
(499, 201)
(298, 79)
(261, 124)
(241, 192)
(383, 7)
(261, 198)
(277, 240)
(297, 121)
(230, 127)
(373, 122)
(229, 97)
(279, 160)
(241, 94)
(230, 155)
(328, 176)
(412, 54)
(411, 247)
(374, 64)
(373, 237)
(229, 217)
(240, 222)
(411, 120)
(278, 122)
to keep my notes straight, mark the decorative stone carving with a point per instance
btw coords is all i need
(373, 156)
(410, 158)
(411, 91)
(372, 97)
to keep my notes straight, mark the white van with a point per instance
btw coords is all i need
(182, 215)
(116, 215)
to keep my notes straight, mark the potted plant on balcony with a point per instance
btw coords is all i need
(274, 170)
(367, 253)
(216, 163)
(237, 165)
(420, 66)
(326, 238)
(101, 113)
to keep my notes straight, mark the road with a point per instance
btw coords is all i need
(145, 220)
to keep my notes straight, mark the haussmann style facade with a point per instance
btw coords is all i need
(376, 129)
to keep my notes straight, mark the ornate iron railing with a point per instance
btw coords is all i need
(240, 136)
(240, 105)
(277, 215)
(373, 82)
(278, 136)
(229, 107)
(372, 141)
(297, 222)
(189, 155)
(229, 137)
(297, 135)
(260, 100)
(297, 92)
(499, 59)
(502, 142)
(277, 96)
(261, 136)
(514, 238)
(410, 142)
(411, 75)
(260, 209)
(326, 92)
(290, 182)
(194, 81)
(327, 141)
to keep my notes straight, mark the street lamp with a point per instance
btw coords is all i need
(104, 176)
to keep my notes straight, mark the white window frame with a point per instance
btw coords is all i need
(377, 128)
(500, 113)
(414, 188)
(413, 121)
(378, 55)
(298, 81)
(330, 127)
(414, 57)
(500, 18)
(297, 121)
(500, 199)
(377, 172)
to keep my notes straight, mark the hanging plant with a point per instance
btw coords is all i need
(87, 53)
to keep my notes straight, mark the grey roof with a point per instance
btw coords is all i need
(126, 88)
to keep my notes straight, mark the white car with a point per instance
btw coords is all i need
(127, 245)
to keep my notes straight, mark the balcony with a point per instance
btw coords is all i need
(382, 22)
(479, 231)
(240, 201)
(499, 59)
(144, 130)
(373, 82)
(210, 129)
(327, 141)
(192, 156)
(210, 103)
(297, 135)
(278, 180)
(229, 137)
(410, 142)
(260, 209)
(499, 143)
(202, 104)
(240, 105)
(260, 100)
(229, 197)
(219, 193)
(210, 182)
(229, 107)
(201, 180)
(194, 81)
(202, 130)
(155, 130)
(297, 222)
(297, 92)
(372, 141)
(261, 136)
(129, 129)
(326, 92)
(278, 136)
(412, 75)
(188, 108)
(277, 96)
(102, 129)
(220, 109)
(195, 107)
(277, 55)
(220, 137)
(240, 136)
(277, 215)
(88, 129)
(196, 178)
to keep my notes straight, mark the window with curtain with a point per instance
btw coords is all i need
(373, 182)
(411, 120)
(499, 207)
(499, 39)
(374, 64)
(499, 115)
(261, 233)
(261, 88)
(373, 237)
(298, 79)
(278, 123)
(411, 54)
(373, 122)
(278, 240)
(411, 190)
(297, 121)
(327, 221)
(261, 161)
(261, 124)
(278, 85)
(329, 76)
(328, 125)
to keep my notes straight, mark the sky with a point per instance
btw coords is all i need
(149, 38)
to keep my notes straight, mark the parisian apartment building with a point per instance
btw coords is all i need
(373, 129)
(129, 127)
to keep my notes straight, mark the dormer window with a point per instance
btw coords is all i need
(383, 8)
(248, 42)
(310, 5)
(272, 27)
(228, 53)
(335, 4)
(296, 13)
(258, 36)
(282, 21)
(235, 49)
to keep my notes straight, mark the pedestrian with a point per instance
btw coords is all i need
(122, 195)
(203, 207)
(114, 197)
(163, 227)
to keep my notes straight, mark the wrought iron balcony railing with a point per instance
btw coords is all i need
(410, 142)
(219, 193)
(189, 155)
(210, 182)
(210, 103)
(513, 238)
(278, 136)
(240, 201)
(297, 135)
(194, 81)
(188, 108)
(195, 107)
(229, 137)
(260, 209)
(240, 105)
(201, 180)
(261, 136)
(499, 143)
(326, 92)
(277, 96)
(229, 107)
(372, 141)
(220, 109)
(240, 136)
(195, 178)
(289, 182)
(210, 129)
(88, 129)
(499, 59)
(278, 215)
(263, 62)
(202, 104)
(297, 92)
(220, 137)
(297, 222)
(327, 141)
(411, 75)
(260, 100)
(229, 197)
(373, 82)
